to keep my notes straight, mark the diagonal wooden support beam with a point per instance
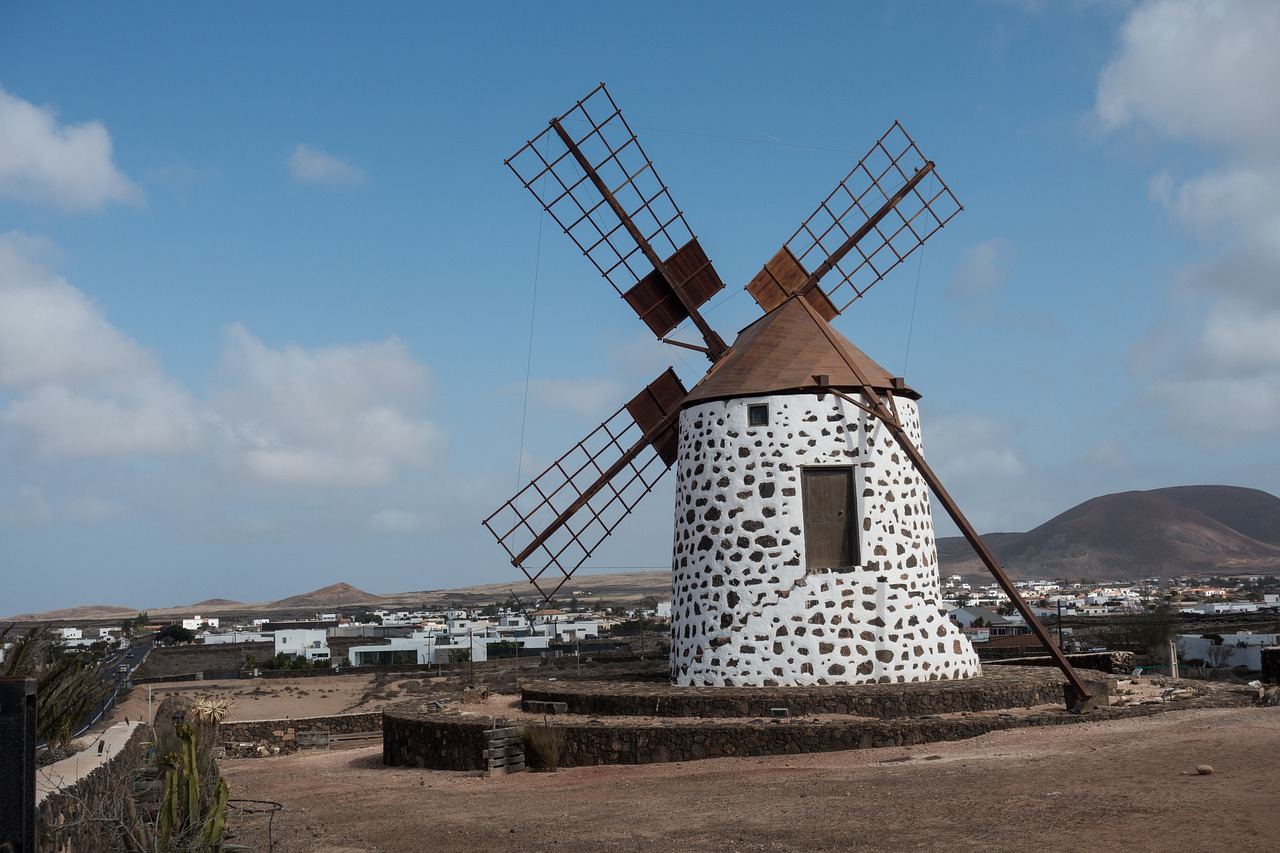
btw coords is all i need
(877, 408)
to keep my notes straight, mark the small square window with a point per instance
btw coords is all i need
(758, 414)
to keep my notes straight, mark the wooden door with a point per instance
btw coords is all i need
(830, 535)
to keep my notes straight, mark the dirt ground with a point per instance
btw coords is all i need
(279, 698)
(1125, 784)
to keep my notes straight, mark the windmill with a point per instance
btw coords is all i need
(804, 549)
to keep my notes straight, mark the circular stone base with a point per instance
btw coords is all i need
(998, 687)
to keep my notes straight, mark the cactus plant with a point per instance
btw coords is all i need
(181, 814)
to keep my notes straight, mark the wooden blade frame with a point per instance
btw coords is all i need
(588, 170)
(882, 211)
(564, 513)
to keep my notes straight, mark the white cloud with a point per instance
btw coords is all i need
(79, 386)
(977, 458)
(64, 165)
(25, 505)
(93, 509)
(391, 520)
(334, 416)
(1239, 339)
(966, 445)
(29, 505)
(1203, 72)
(1227, 382)
(310, 165)
(1106, 454)
(982, 269)
(583, 397)
(1200, 69)
(151, 417)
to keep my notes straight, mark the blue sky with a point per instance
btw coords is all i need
(265, 284)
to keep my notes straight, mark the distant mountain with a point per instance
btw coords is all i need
(1158, 533)
(1163, 532)
(338, 593)
(86, 611)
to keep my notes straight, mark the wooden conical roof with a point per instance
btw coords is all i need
(782, 351)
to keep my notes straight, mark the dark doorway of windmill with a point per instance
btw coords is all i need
(827, 495)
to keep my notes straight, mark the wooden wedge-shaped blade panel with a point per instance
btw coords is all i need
(782, 276)
(588, 170)
(558, 520)
(882, 211)
(655, 301)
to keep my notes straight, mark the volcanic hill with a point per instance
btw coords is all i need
(1159, 533)
(338, 593)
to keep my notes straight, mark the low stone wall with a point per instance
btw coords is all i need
(997, 687)
(185, 660)
(1271, 665)
(437, 741)
(283, 734)
(1113, 662)
(223, 657)
(78, 816)
(415, 737)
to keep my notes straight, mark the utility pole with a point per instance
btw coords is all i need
(1059, 623)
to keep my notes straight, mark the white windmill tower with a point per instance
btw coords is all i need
(804, 549)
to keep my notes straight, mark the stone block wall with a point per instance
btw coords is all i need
(170, 661)
(997, 688)
(63, 816)
(283, 733)
(412, 738)
(457, 743)
(1271, 665)
(746, 608)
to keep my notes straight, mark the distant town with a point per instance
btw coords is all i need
(1083, 616)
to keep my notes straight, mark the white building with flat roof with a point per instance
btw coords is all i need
(416, 649)
(309, 643)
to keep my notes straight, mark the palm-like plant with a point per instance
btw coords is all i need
(68, 686)
(209, 711)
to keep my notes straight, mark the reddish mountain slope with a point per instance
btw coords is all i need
(338, 593)
(1163, 532)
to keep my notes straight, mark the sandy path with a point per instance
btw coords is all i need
(1120, 784)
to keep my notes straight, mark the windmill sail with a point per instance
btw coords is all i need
(588, 170)
(564, 513)
(882, 211)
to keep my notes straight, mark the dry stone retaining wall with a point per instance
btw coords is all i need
(284, 733)
(997, 688)
(747, 610)
(72, 818)
(1271, 665)
(414, 738)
